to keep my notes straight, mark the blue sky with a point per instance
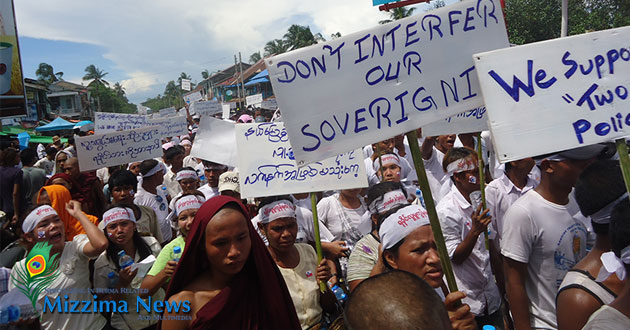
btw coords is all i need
(145, 43)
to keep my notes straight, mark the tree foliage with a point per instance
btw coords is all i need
(398, 13)
(46, 74)
(255, 57)
(276, 46)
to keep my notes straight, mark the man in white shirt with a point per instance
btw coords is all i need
(463, 226)
(150, 196)
(542, 240)
(212, 172)
(174, 157)
(433, 150)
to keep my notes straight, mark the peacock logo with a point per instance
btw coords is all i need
(39, 271)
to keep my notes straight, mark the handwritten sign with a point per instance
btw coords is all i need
(226, 111)
(270, 104)
(558, 94)
(168, 112)
(105, 122)
(267, 165)
(208, 108)
(172, 126)
(253, 99)
(192, 97)
(215, 141)
(391, 79)
(466, 122)
(109, 149)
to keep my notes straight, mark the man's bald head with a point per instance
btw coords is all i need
(395, 300)
(71, 167)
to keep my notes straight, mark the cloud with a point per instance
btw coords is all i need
(139, 82)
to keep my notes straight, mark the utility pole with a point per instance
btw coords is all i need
(240, 65)
(238, 90)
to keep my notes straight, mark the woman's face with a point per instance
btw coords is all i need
(185, 220)
(227, 242)
(418, 255)
(120, 232)
(50, 230)
(281, 233)
(135, 168)
(61, 160)
(391, 172)
(123, 194)
(61, 181)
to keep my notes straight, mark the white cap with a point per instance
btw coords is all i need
(229, 181)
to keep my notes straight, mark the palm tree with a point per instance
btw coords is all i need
(171, 91)
(398, 13)
(46, 74)
(299, 36)
(255, 57)
(205, 74)
(275, 47)
(335, 35)
(119, 90)
(96, 75)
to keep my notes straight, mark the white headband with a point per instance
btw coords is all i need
(118, 214)
(154, 170)
(388, 201)
(386, 159)
(36, 216)
(185, 142)
(552, 158)
(613, 265)
(461, 165)
(186, 174)
(188, 202)
(400, 224)
(603, 216)
(276, 210)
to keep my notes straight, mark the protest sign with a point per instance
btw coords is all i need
(168, 112)
(226, 111)
(466, 122)
(267, 167)
(557, 94)
(270, 104)
(371, 85)
(207, 108)
(215, 141)
(172, 126)
(192, 97)
(105, 122)
(115, 148)
(253, 99)
(186, 84)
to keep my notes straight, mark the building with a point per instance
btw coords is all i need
(69, 100)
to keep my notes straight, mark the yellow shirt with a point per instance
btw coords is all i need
(302, 284)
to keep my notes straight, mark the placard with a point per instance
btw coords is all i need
(172, 126)
(186, 84)
(253, 99)
(371, 85)
(215, 141)
(168, 112)
(105, 122)
(557, 94)
(267, 167)
(208, 108)
(226, 111)
(270, 104)
(192, 97)
(466, 122)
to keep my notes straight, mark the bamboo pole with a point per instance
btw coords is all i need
(624, 161)
(412, 138)
(380, 161)
(318, 242)
(482, 184)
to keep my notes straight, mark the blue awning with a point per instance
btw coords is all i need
(261, 74)
(256, 81)
(56, 125)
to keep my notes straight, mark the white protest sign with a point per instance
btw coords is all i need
(186, 84)
(253, 99)
(557, 94)
(270, 104)
(371, 85)
(111, 122)
(266, 165)
(168, 112)
(226, 111)
(142, 110)
(172, 126)
(215, 141)
(192, 97)
(466, 122)
(109, 149)
(206, 107)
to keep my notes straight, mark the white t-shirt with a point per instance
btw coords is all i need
(550, 241)
(474, 275)
(607, 318)
(73, 280)
(159, 204)
(172, 186)
(435, 172)
(329, 212)
(208, 191)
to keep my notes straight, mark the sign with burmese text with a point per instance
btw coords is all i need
(371, 85)
(267, 167)
(466, 122)
(557, 94)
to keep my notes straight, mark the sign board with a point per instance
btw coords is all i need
(142, 110)
(215, 141)
(186, 84)
(115, 148)
(253, 99)
(226, 111)
(267, 167)
(168, 112)
(371, 85)
(270, 104)
(12, 92)
(172, 126)
(192, 97)
(105, 122)
(466, 122)
(557, 94)
(208, 108)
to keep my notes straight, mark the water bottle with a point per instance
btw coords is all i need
(112, 279)
(177, 253)
(488, 327)
(124, 260)
(164, 190)
(339, 293)
(420, 198)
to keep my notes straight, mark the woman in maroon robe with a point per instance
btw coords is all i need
(227, 276)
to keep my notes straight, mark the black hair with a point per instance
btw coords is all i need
(271, 199)
(51, 151)
(456, 153)
(173, 152)
(620, 227)
(28, 157)
(71, 140)
(142, 247)
(147, 165)
(7, 157)
(122, 178)
(187, 168)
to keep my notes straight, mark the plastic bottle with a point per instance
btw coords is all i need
(488, 327)
(420, 198)
(339, 293)
(112, 279)
(177, 253)
(124, 260)
(164, 190)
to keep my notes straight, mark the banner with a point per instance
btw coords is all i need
(371, 85)
(208, 108)
(172, 126)
(168, 112)
(215, 141)
(267, 167)
(12, 93)
(253, 99)
(270, 104)
(192, 97)
(557, 94)
(105, 122)
(466, 122)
